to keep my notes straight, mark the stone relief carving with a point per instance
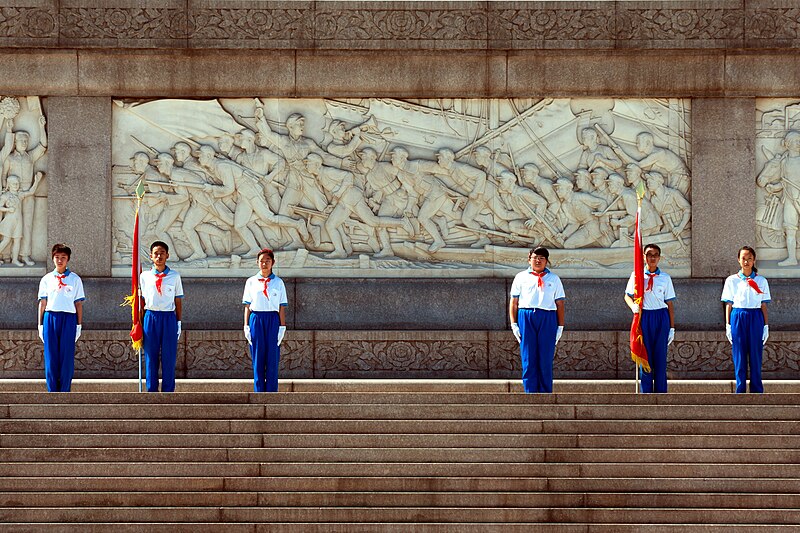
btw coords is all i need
(773, 23)
(382, 187)
(122, 23)
(399, 24)
(694, 24)
(554, 24)
(257, 24)
(22, 192)
(777, 185)
(28, 22)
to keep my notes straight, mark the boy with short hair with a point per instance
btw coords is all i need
(162, 292)
(60, 317)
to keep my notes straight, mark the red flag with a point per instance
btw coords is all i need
(638, 351)
(137, 335)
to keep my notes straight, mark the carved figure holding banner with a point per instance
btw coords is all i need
(12, 225)
(782, 173)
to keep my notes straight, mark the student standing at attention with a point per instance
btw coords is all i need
(746, 295)
(536, 312)
(60, 316)
(265, 303)
(658, 319)
(162, 291)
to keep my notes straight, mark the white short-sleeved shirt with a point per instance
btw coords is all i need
(61, 298)
(737, 291)
(171, 288)
(254, 293)
(526, 288)
(662, 291)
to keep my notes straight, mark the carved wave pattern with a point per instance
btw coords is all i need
(250, 24)
(555, 24)
(121, 23)
(28, 22)
(400, 24)
(689, 24)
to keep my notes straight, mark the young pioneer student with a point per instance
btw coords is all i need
(162, 291)
(658, 318)
(60, 317)
(746, 295)
(265, 305)
(536, 312)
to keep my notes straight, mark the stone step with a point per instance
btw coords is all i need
(401, 484)
(653, 500)
(351, 527)
(136, 440)
(346, 398)
(569, 427)
(377, 515)
(404, 411)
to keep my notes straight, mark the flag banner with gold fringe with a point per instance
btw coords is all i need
(638, 350)
(137, 334)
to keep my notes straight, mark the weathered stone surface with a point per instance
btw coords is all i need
(175, 73)
(40, 72)
(771, 24)
(29, 23)
(763, 74)
(250, 24)
(122, 23)
(595, 73)
(723, 193)
(79, 181)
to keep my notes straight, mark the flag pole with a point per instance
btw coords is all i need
(139, 353)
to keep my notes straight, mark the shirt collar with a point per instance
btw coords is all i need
(270, 277)
(743, 277)
(546, 270)
(66, 272)
(154, 271)
(648, 273)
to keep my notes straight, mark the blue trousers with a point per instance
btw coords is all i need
(655, 334)
(160, 349)
(265, 352)
(59, 349)
(747, 328)
(538, 329)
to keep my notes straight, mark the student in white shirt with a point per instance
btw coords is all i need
(658, 319)
(746, 295)
(162, 291)
(60, 318)
(536, 312)
(265, 305)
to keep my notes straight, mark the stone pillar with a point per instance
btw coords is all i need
(79, 180)
(723, 183)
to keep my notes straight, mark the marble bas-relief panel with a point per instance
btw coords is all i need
(379, 187)
(777, 185)
(23, 188)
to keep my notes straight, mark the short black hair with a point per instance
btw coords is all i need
(654, 246)
(267, 251)
(60, 248)
(162, 244)
(540, 250)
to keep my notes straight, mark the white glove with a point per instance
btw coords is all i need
(41, 333)
(559, 332)
(728, 333)
(765, 335)
(247, 335)
(77, 333)
(671, 336)
(281, 333)
(635, 308)
(179, 329)
(515, 330)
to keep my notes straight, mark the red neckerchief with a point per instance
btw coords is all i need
(265, 281)
(159, 280)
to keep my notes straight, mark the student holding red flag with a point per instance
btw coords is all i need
(656, 318)
(746, 295)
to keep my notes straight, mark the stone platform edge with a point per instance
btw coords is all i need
(325, 354)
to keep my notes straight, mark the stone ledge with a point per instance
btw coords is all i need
(399, 354)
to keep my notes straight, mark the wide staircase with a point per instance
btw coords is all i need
(399, 462)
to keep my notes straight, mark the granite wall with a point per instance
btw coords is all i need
(79, 55)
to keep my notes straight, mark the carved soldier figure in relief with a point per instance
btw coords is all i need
(264, 162)
(626, 205)
(250, 200)
(544, 186)
(583, 226)
(600, 184)
(12, 224)
(493, 215)
(344, 142)
(173, 199)
(347, 200)
(20, 163)
(596, 155)
(385, 194)
(674, 209)
(663, 160)
(227, 146)
(782, 173)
